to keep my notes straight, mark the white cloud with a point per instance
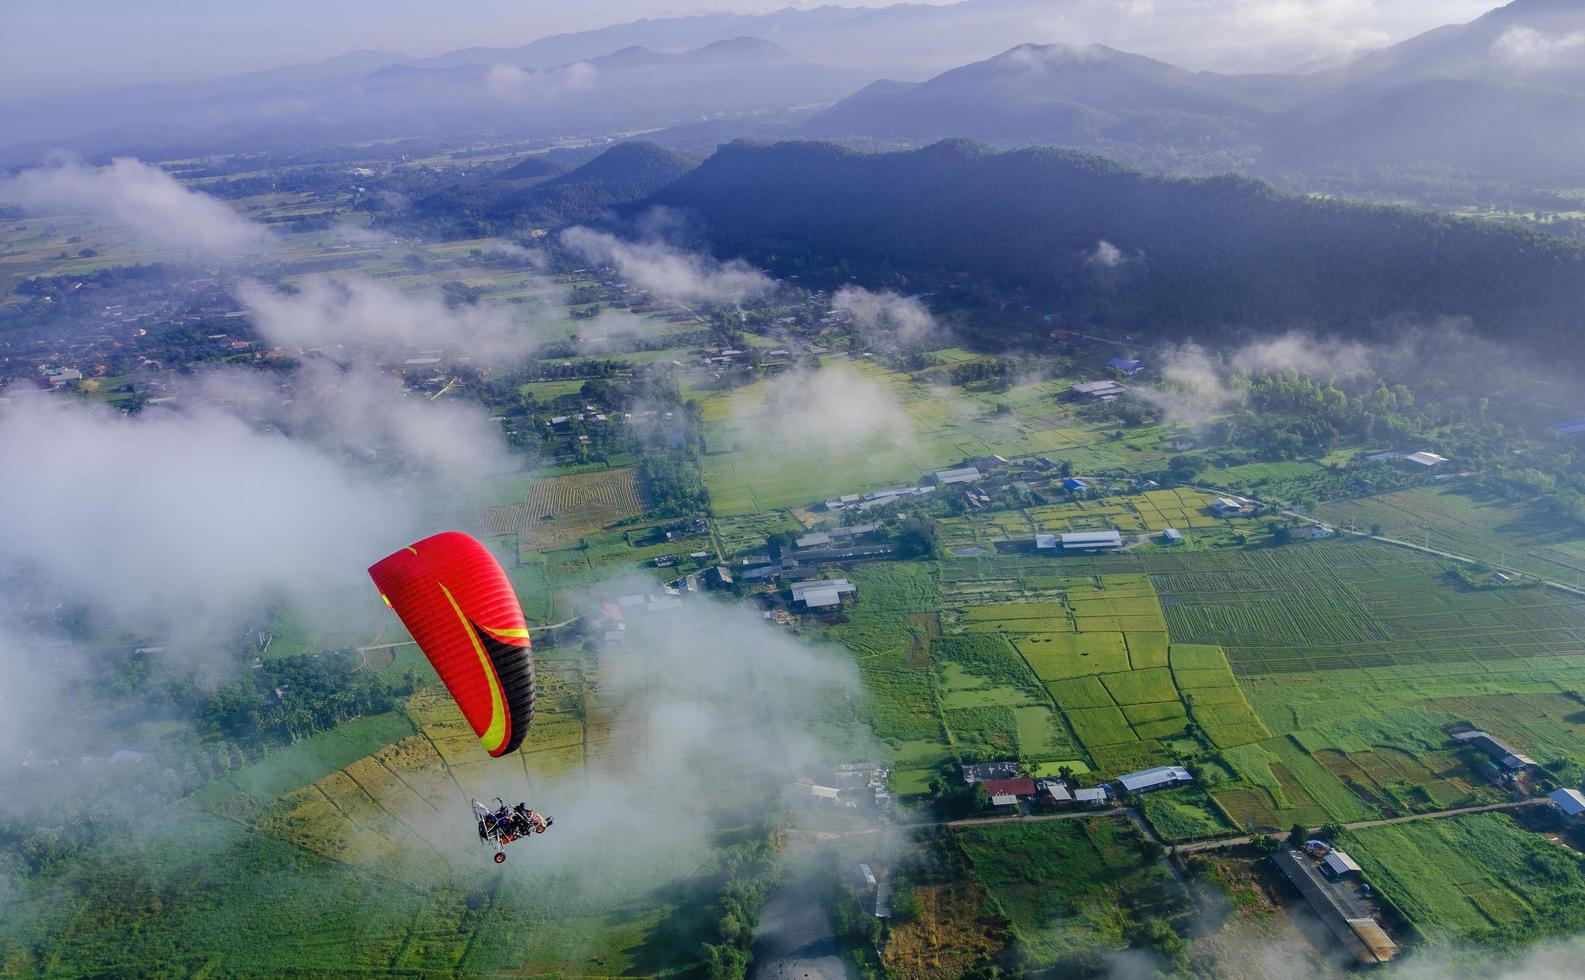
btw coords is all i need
(667, 272)
(904, 316)
(1527, 49)
(195, 522)
(140, 198)
(1106, 255)
(510, 83)
(356, 311)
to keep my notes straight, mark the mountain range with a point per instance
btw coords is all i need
(1501, 96)
(1093, 239)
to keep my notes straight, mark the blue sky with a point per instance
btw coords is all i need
(58, 45)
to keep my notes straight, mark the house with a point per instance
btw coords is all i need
(979, 772)
(719, 577)
(1159, 777)
(1074, 484)
(825, 793)
(1091, 540)
(1339, 865)
(1098, 391)
(1320, 532)
(1045, 542)
(1015, 789)
(1224, 506)
(1503, 753)
(1424, 458)
(1092, 796)
(1570, 801)
(1127, 365)
(816, 539)
(822, 593)
(1172, 536)
(963, 474)
(1053, 791)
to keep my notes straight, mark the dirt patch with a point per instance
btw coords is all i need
(952, 932)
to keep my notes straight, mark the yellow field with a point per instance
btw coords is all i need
(561, 509)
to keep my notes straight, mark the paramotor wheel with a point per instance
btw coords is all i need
(500, 857)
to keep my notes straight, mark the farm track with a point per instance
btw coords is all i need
(1211, 845)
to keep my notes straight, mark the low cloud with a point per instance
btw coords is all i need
(510, 83)
(1526, 49)
(205, 523)
(902, 316)
(835, 406)
(1312, 358)
(1193, 388)
(142, 199)
(667, 272)
(355, 311)
(1198, 385)
(355, 412)
(1106, 255)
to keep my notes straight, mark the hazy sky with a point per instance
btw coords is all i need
(63, 45)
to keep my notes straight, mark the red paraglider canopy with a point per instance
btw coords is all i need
(456, 600)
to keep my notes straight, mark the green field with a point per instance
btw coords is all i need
(1475, 879)
(1071, 885)
(1521, 535)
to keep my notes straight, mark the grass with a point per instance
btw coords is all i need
(1096, 727)
(1182, 814)
(1477, 879)
(1350, 603)
(1055, 656)
(1069, 886)
(312, 758)
(1151, 684)
(1525, 535)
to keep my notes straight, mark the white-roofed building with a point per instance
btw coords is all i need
(1055, 790)
(1004, 799)
(1339, 865)
(963, 474)
(1223, 505)
(1158, 778)
(1426, 458)
(814, 539)
(1091, 540)
(1091, 796)
(1570, 801)
(822, 593)
(1046, 542)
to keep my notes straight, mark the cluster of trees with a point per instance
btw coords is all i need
(671, 481)
(748, 871)
(291, 697)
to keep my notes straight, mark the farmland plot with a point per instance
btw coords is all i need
(562, 509)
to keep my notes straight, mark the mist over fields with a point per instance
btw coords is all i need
(993, 488)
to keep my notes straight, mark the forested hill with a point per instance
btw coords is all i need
(625, 173)
(1189, 253)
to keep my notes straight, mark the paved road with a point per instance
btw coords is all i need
(1362, 824)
